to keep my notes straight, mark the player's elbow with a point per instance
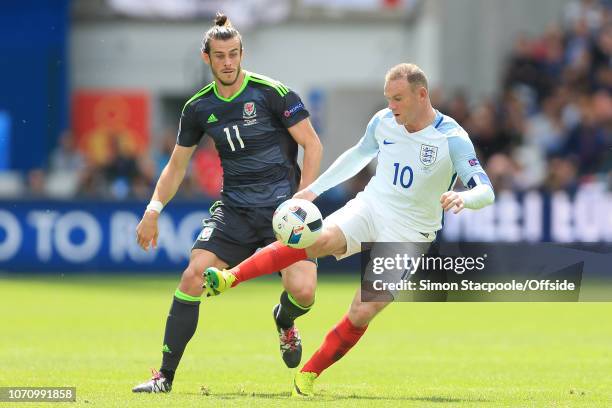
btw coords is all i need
(173, 171)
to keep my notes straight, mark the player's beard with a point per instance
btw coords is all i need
(238, 71)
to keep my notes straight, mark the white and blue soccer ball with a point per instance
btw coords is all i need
(297, 223)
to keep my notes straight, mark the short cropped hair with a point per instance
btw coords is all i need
(410, 72)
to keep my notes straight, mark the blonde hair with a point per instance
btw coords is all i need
(410, 72)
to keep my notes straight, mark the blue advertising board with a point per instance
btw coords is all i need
(5, 140)
(41, 236)
(76, 236)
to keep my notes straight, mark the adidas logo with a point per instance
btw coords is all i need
(212, 118)
(166, 349)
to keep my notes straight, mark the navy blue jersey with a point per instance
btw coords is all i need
(258, 155)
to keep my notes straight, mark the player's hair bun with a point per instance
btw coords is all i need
(221, 20)
(222, 30)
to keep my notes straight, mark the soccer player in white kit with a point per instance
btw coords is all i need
(420, 154)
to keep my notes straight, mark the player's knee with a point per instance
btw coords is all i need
(191, 281)
(324, 245)
(192, 276)
(305, 294)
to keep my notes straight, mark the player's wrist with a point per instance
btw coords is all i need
(155, 206)
(151, 215)
(314, 189)
(478, 197)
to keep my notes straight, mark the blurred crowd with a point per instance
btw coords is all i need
(549, 128)
(122, 172)
(551, 125)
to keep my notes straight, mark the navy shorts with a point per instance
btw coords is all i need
(235, 233)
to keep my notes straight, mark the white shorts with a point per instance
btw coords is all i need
(360, 222)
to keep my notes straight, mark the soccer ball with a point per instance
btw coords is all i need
(297, 223)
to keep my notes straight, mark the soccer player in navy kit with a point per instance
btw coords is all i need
(257, 124)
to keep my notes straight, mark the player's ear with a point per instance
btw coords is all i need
(423, 92)
(205, 57)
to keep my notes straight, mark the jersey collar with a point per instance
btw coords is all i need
(245, 81)
(437, 120)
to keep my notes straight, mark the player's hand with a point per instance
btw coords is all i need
(146, 231)
(305, 195)
(452, 199)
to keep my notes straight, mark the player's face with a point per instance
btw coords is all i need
(224, 60)
(403, 100)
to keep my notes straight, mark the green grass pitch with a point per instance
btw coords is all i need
(103, 334)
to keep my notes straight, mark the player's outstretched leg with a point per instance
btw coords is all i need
(217, 281)
(270, 259)
(275, 257)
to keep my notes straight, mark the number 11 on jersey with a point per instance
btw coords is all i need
(229, 137)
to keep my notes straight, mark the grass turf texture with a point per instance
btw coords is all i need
(102, 334)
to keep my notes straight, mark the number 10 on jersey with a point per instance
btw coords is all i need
(402, 176)
(229, 137)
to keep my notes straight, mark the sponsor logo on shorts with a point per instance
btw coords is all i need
(205, 234)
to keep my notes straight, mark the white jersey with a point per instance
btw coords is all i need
(413, 171)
